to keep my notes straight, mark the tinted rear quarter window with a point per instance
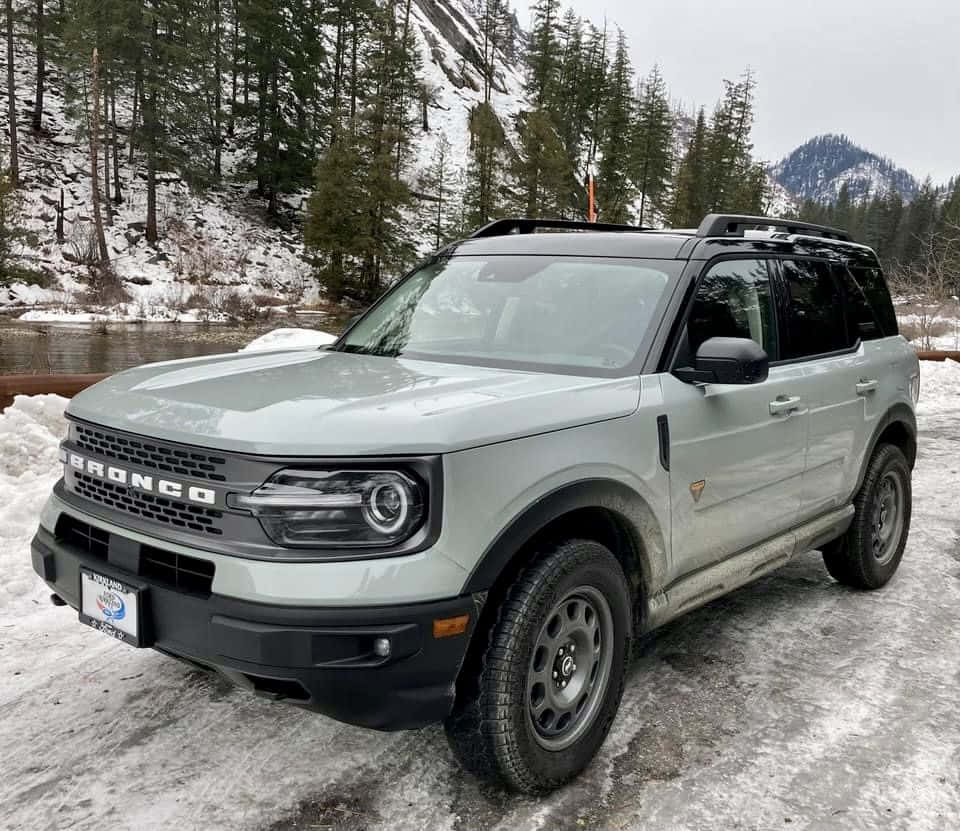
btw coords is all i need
(814, 310)
(874, 287)
(862, 322)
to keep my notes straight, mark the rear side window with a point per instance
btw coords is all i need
(862, 323)
(814, 310)
(871, 281)
(734, 301)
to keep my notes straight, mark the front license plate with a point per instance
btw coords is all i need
(111, 606)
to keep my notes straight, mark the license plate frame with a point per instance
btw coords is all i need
(112, 606)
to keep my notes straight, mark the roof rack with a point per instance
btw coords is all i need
(733, 225)
(518, 225)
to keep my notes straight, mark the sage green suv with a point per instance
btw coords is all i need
(546, 440)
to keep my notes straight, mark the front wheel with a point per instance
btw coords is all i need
(541, 697)
(868, 554)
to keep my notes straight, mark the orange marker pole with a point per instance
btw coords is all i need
(591, 200)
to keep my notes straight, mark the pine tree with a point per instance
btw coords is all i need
(487, 138)
(690, 193)
(572, 111)
(728, 159)
(357, 226)
(543, 53)
(94, 138)
(753, 191)
(950, 213)
(284, 54)
(436, 190)
(918, 222)
(542, 169)
(614, 187)
(494, 31)
(843, 207)
(336, 217)
(591, 93)
(12, 234)
(39, 28)
(651, 153)
(12, 100)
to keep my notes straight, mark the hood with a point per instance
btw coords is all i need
(318, 403)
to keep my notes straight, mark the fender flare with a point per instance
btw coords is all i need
(898, 414)
(630, 508)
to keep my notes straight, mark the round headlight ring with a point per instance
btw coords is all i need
(387, 507)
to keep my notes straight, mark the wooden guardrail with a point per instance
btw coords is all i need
(65, 385)
(939, 355)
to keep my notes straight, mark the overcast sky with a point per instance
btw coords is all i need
(885, 73)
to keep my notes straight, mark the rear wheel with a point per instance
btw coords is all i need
(868, 554)
(539, 701)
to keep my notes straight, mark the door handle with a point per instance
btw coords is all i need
(865, 385)
(784, 405)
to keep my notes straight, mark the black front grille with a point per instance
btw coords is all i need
(149, 454)
(179, 571)
(170, 512)
(93, 541)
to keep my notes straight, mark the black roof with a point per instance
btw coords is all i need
(658, 246)
(717, 234)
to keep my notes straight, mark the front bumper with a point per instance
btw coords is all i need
(319, 658)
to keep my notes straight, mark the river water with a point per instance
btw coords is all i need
(98, 347)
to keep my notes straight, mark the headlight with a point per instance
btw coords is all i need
(337, 508)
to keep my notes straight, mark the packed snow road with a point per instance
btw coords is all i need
(792, 703)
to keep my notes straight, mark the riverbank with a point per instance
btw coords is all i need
(85, 346)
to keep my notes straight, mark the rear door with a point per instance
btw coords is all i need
(831, 328)
(737, 452)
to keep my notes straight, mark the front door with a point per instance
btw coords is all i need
(737, 452)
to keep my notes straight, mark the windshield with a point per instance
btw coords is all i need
(565, 314)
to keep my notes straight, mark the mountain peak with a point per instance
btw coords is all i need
(818, 170)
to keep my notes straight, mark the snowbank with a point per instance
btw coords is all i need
(30, 432)
(289, 339)
(939, 386)
(120, 314)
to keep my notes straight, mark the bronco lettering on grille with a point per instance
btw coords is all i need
(141, 481)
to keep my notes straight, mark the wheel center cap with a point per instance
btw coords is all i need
(566, 667)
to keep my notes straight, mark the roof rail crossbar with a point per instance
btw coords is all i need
(519, 225)
(733, 225)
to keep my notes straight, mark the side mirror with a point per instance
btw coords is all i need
(727, 361)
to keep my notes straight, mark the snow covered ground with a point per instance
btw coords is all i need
(792, 702)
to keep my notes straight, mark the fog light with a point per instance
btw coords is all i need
(381, 647)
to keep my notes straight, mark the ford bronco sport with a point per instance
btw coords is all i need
(534, 448)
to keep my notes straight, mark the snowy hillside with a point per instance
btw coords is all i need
(218, 253)
(450, 43)
(215, 247)
(818, 170)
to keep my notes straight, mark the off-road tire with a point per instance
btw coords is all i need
(489, 730)
(851, 559)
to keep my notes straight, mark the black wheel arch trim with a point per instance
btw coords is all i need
(897, 414)
(646, 537)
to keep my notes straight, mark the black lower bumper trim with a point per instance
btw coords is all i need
(319, 658)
